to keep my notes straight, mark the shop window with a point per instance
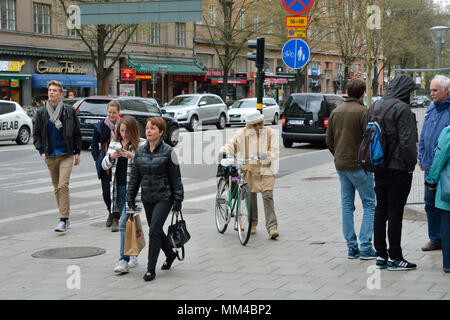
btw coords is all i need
(8, 14)
(41, 18)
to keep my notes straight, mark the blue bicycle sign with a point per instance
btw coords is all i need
(295, 53)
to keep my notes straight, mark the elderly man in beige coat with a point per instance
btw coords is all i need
(256, 141)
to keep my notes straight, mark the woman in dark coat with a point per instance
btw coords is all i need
(104, 132)
(156, 170)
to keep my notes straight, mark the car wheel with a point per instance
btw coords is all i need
(275, 119)
(193, 124)
(172, 136)
(287, 143)
(222, 122)
(24, 135)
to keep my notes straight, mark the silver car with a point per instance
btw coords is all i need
(191, 110)
(15, 124)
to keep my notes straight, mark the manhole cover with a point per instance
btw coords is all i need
(69, 253)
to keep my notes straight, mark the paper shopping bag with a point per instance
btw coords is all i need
(134, 236)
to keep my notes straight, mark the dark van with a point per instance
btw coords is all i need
(305, 117)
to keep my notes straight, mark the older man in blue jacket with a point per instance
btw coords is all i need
(437, 117)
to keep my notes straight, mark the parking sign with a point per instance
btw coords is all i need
(295, 53)
(297, 7)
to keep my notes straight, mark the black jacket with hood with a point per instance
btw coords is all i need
(400, 125)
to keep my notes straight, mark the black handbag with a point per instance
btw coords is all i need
(178, 234)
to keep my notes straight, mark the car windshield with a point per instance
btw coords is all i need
(244, 104)
(183, 101)
(94, 106)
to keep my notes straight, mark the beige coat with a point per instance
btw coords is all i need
(247, 144)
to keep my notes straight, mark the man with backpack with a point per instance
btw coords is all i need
(393, 179)
(345, 130)
(437, 117)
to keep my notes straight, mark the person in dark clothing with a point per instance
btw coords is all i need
(104, 132)
(393, 183)
(157, 171)
(57, 137)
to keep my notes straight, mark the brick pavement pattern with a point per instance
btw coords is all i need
(307, 261)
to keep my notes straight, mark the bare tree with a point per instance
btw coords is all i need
(103, 41)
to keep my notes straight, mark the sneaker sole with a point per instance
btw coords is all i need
(381, 267)
(352, 257)
(399, 269)
(367, 258)
(121, 272)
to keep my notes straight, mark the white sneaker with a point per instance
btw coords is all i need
(133, 262)
(62, 226)
(122, 267)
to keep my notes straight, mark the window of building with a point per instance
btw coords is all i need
(212, 15)
(205, 60)
(155, 33)
(180, 34)
(242, 20)
(41, 18)
(241, 65)
(256, 22)
(8, 14)
(133, 36)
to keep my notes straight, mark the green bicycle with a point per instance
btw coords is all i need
(233, 199)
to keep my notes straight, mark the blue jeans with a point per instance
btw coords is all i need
(363, 182)
(433, 216)
(121, 196)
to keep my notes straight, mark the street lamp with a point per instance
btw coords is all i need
(439, 35)
(162, 71)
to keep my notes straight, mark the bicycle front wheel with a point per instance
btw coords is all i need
(222, 210)
(244, 216)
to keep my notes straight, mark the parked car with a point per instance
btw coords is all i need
(373, 99)
(93, 109)
(72, 101)
(305, 117)
(15, 124)
(192, 109)
(420, 102)
(240, 109)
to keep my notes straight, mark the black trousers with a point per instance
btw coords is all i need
(156, 213)
(106, 189)
(392, 188)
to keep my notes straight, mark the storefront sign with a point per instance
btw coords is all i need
(12, 66)
(144, 77)
(128, 74)
(14, 83)
(127, 89)
(68, 68)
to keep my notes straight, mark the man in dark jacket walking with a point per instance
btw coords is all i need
(344, 134)
(393, 183)
(57, 137)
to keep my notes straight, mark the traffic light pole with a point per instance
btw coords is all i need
(259, 89)
(258, 57)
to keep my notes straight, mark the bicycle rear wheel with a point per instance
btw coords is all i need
(222, 210)
(244, 216)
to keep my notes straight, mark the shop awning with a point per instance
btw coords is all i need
(67, 80)
(186, 67)
(12, 75)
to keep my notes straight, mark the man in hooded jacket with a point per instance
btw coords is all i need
(393, 183)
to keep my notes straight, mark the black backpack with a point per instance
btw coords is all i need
(372, 150)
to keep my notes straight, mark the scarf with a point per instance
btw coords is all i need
(112, 126)
(55, 114)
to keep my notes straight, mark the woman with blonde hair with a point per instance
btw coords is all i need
(119, 159)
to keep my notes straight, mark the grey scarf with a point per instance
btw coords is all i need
(55, 114)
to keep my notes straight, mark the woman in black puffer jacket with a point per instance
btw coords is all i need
(156, 170)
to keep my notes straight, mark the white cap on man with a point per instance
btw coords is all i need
(254, 118)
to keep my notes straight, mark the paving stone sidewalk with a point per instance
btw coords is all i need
(308, 261)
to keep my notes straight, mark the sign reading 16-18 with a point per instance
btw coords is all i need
(296, 53)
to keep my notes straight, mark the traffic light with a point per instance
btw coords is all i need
(257, 56)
